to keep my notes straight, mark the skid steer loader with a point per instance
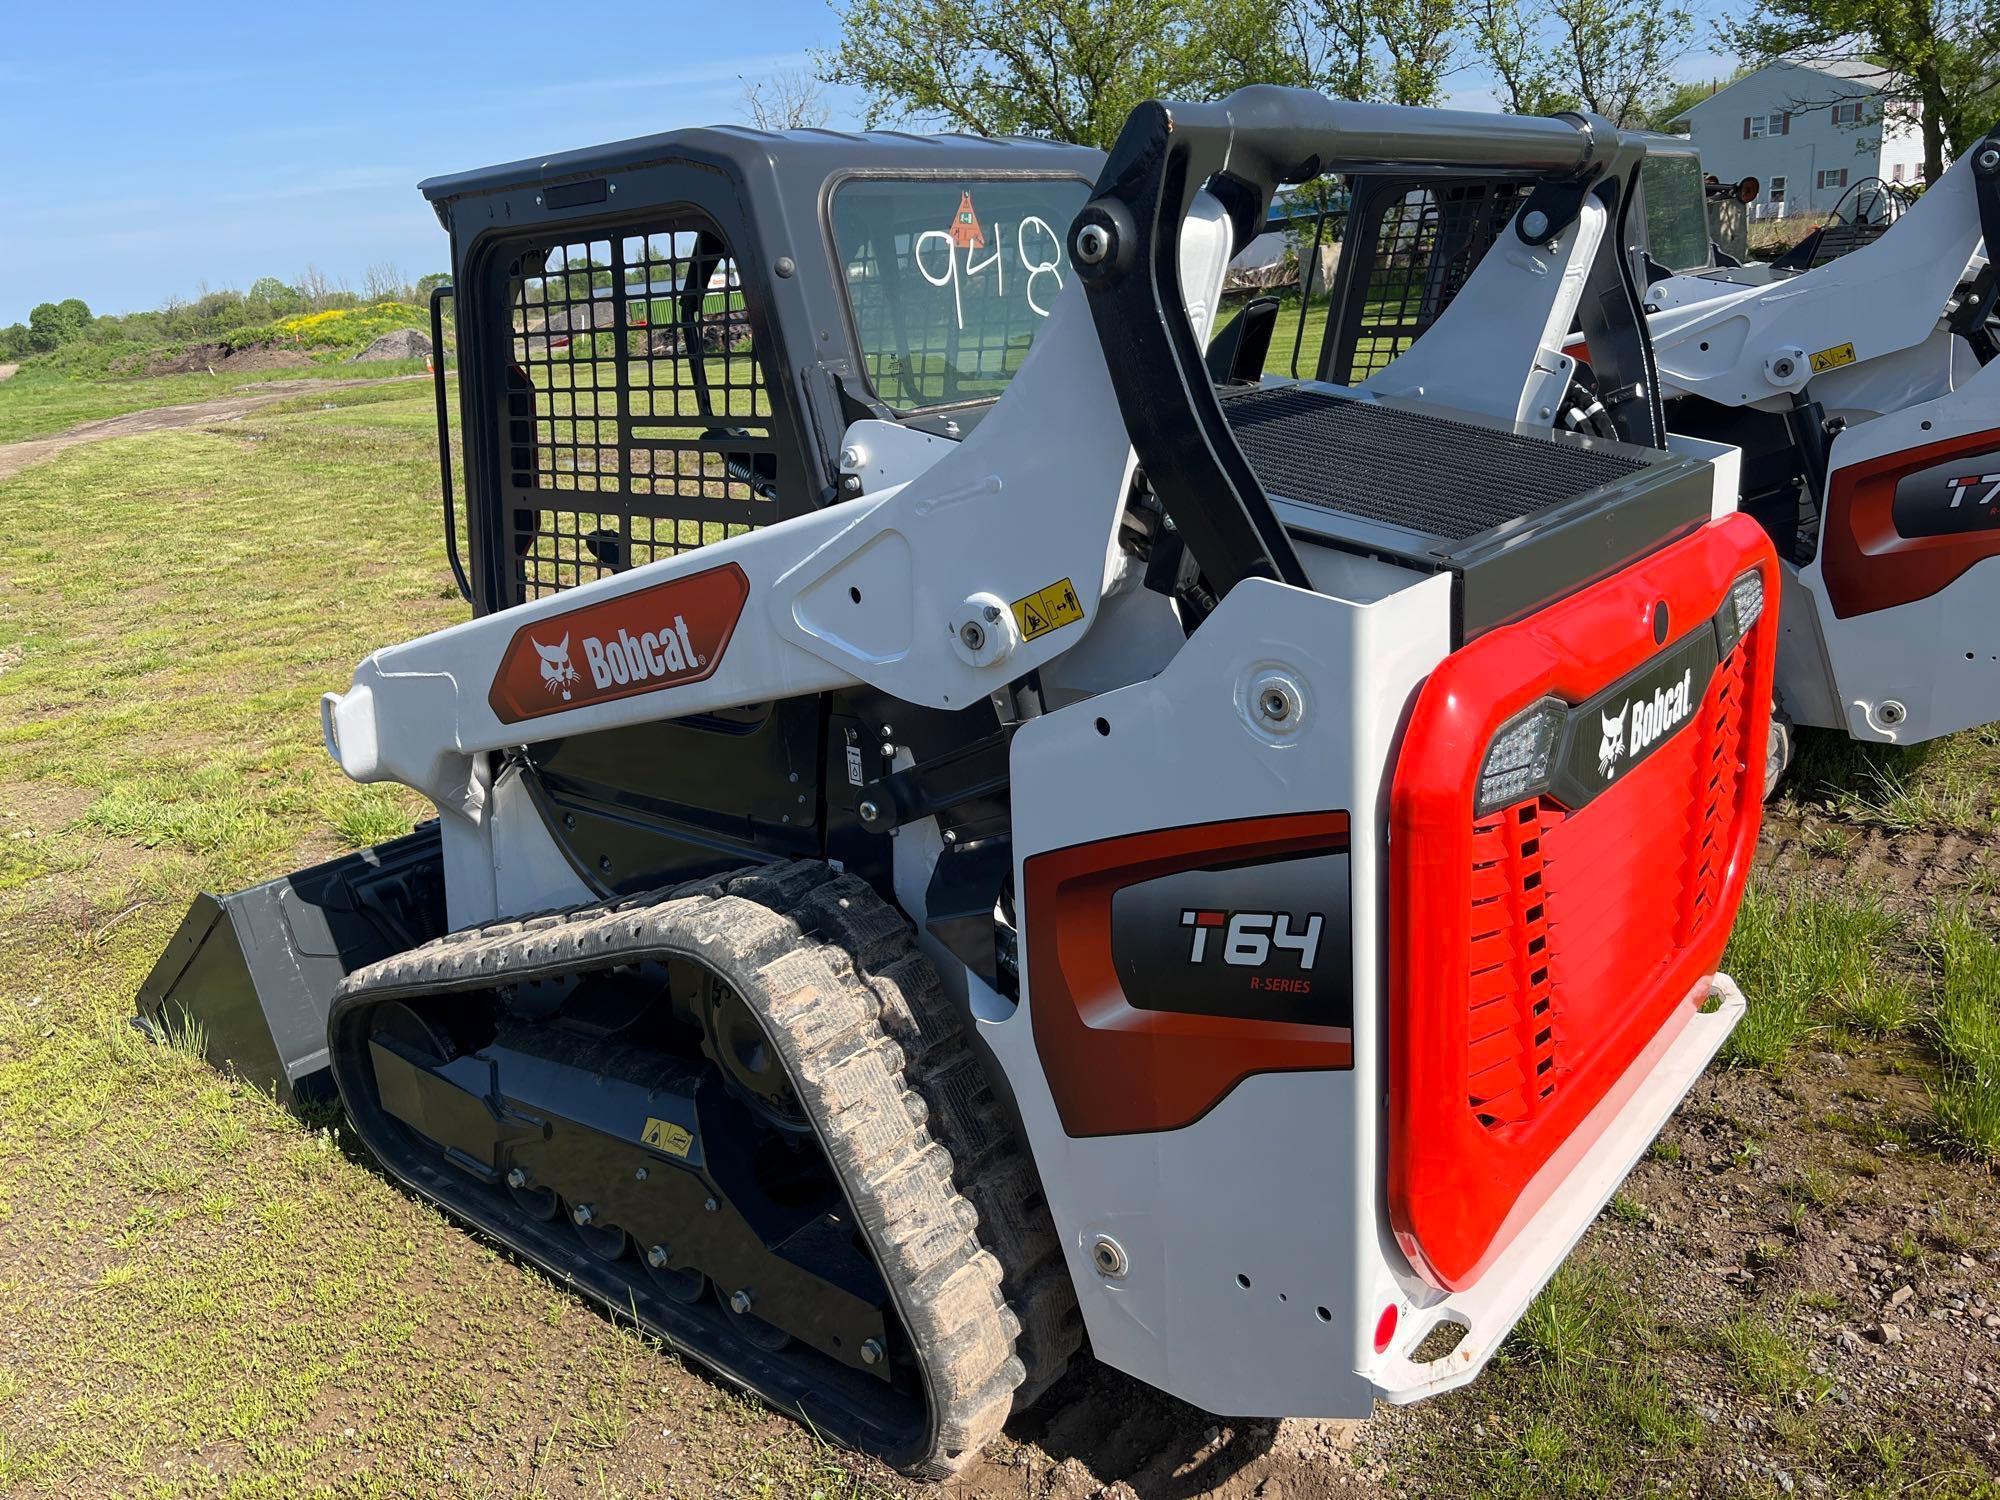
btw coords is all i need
(1859, 386)
(957, 831)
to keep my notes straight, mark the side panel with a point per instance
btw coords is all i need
(1257, 1248)
(1906, 587)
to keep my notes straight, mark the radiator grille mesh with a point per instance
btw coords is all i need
(1427, 472)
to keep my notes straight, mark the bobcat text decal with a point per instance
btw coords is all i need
(1652, 718)
(672, 633)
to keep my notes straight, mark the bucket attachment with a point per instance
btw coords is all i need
(255, 972)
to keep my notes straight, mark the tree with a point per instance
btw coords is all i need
(53, 324)
(15, 342)
(382, 282)
(1939, 59)
(1611, 57)
(791, 100)
(1421, 39)
(429, 283)
(1067, 69)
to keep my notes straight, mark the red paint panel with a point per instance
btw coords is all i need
(1536, 953)
(1867, 563)
(1118, 1070)
(659, 637)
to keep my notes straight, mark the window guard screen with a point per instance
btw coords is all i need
(637, 420)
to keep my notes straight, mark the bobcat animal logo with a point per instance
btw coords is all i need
(1611, 749)
(557, 673)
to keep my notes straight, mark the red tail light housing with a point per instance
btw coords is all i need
(1536, 948)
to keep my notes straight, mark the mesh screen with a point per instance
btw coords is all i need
(1427, 242)
(638, 423)
(1430, 473)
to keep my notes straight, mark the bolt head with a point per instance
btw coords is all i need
(850, 458)
(1108, 1256)
(872, 1351)
(1093, 243)
(517, 1178)
(1535, 224)
(583, 1213)
(710, 1205)
(658, 1256)
(640, 1175)
(869, 811)
(740, 1302)
(1989, 159)
(1783, 369)
(1274, 704)
(1892, 712)
(973, 634)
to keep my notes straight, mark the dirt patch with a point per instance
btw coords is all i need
(15, 457)
(6, 370)
(220, 359)
(404, 343)
(1907, 869)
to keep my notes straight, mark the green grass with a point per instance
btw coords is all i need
(1589, 1409)
(1808, 962)
(1964, 1025)
(1950, 784)
(37, 403)
(199, 1295)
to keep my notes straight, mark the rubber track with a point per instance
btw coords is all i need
(881, 1062)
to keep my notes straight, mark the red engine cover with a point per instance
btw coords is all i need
(1535, 951)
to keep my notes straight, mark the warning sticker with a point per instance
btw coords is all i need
(1048, 609)
(665, 1135)
(1832, 359)
(965, 231)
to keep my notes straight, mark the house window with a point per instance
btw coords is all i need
(1753, 127)
(1756, 127)
(1834, 179)
(1897, 173)
(1848, 113)
(1777, 190)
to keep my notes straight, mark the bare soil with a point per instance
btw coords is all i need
(7, 370)
(15, 457)
(220, 359)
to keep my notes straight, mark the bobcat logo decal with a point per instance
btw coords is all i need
(1611, 749)
(557, 673)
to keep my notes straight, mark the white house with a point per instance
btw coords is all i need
(1807, 131)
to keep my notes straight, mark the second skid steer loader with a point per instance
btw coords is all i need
(957, 832)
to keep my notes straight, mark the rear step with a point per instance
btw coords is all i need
(517, 1113)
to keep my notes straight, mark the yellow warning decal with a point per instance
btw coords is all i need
(665, 1135)
(1047, 609)
(1832, 359)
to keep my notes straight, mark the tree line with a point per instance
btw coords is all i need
(53, 326)
(1072, 69)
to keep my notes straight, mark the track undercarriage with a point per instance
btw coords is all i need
(735, 1113)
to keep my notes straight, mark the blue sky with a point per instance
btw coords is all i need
(149, 149)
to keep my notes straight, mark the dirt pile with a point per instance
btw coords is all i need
(220, 359)
(404, 343)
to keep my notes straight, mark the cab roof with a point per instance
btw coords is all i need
(809, 153)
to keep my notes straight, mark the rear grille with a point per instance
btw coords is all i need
(1428, 473)
(1561, 902)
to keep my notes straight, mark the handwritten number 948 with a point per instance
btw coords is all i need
(1034, 239)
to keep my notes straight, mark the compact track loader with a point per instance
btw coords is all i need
(965, 824)
(1864, 393)
(1857, 378)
